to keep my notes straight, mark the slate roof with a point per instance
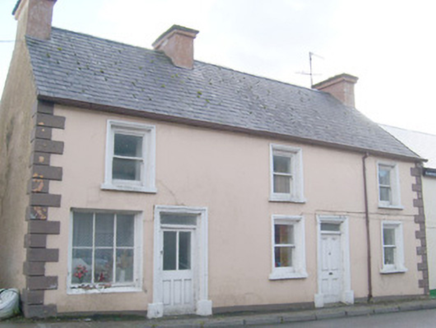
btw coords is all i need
(93, 72)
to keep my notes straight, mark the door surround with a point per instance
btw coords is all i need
(347, 295)
(203, 305)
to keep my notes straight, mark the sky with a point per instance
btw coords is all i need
(388, 44)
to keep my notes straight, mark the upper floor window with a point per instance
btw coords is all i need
(288, 251)
(388, 185)
(286, 174)
(393, 249)
(130, 157)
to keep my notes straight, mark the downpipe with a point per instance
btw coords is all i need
(368, 234)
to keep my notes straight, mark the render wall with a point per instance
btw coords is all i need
(229, 174)
(15, 147)
(429, 185)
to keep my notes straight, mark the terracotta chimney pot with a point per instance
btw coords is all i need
(178, 44)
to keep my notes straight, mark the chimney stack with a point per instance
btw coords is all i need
(341, 87)
(178, 44)
(34, 18)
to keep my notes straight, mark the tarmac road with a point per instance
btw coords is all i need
(406, 313)
(410, 319)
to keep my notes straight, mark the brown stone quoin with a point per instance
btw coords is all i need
(39, 225)
(420, 233)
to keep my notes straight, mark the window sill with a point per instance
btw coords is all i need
(288, 275)
(102, 290)
(393, 270)
(128, 188)
(287, 200)
(391, 207)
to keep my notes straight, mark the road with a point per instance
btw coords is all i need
(412, 319)
(409, 319)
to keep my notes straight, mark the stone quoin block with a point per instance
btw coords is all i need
(41, 132)
(46, 172)
(42, 255)
(37, 212)
(45, 227)
(45, 200)
(40, 158)
(48, 146)
(35, 241)
(43, 107)
(42, 283)
(57, 122)
(34, 268)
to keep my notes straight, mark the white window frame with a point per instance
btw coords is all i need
(395, 202)
(296, 193)
(136, 285)
(298, 269)
(398, 266)
(146, 183)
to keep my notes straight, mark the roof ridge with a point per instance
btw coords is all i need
(195, 60)
(102, 39)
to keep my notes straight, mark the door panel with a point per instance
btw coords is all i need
(177, 274)
(331, 270)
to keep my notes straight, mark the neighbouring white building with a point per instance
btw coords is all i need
(424, 144)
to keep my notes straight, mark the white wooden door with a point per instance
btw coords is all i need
(331, 267)
(177, 271)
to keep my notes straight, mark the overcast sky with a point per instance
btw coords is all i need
(389, 44)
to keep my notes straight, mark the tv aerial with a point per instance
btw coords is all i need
(311, 74)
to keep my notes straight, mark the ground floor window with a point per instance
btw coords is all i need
(104, 252)
(392, 244)
(288, 253)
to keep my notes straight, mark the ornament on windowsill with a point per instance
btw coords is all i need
(81, 272)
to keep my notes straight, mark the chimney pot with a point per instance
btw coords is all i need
(178, 44)
(341, 87)
(34, 18)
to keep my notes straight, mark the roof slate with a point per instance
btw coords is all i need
(80, 68)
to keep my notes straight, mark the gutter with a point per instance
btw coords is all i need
(368, 235)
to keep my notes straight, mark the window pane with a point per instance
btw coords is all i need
(330, 227)
(124, 265)
(389, 255)
(282, 184)
(103, 265)
(104, 230)
(283, 234)
(385, 194)
(125, 228)
(283, 256)
(178, 219)
(282, 164)
(389, 236)
(127, 145)
(82, 230)
(126, 169)
(384, 176)
(184, 250)
(81, 266)
(169, 250)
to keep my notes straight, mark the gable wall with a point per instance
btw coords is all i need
(229, 174)
(15, 148)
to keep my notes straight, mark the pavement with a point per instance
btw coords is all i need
(228, 320)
